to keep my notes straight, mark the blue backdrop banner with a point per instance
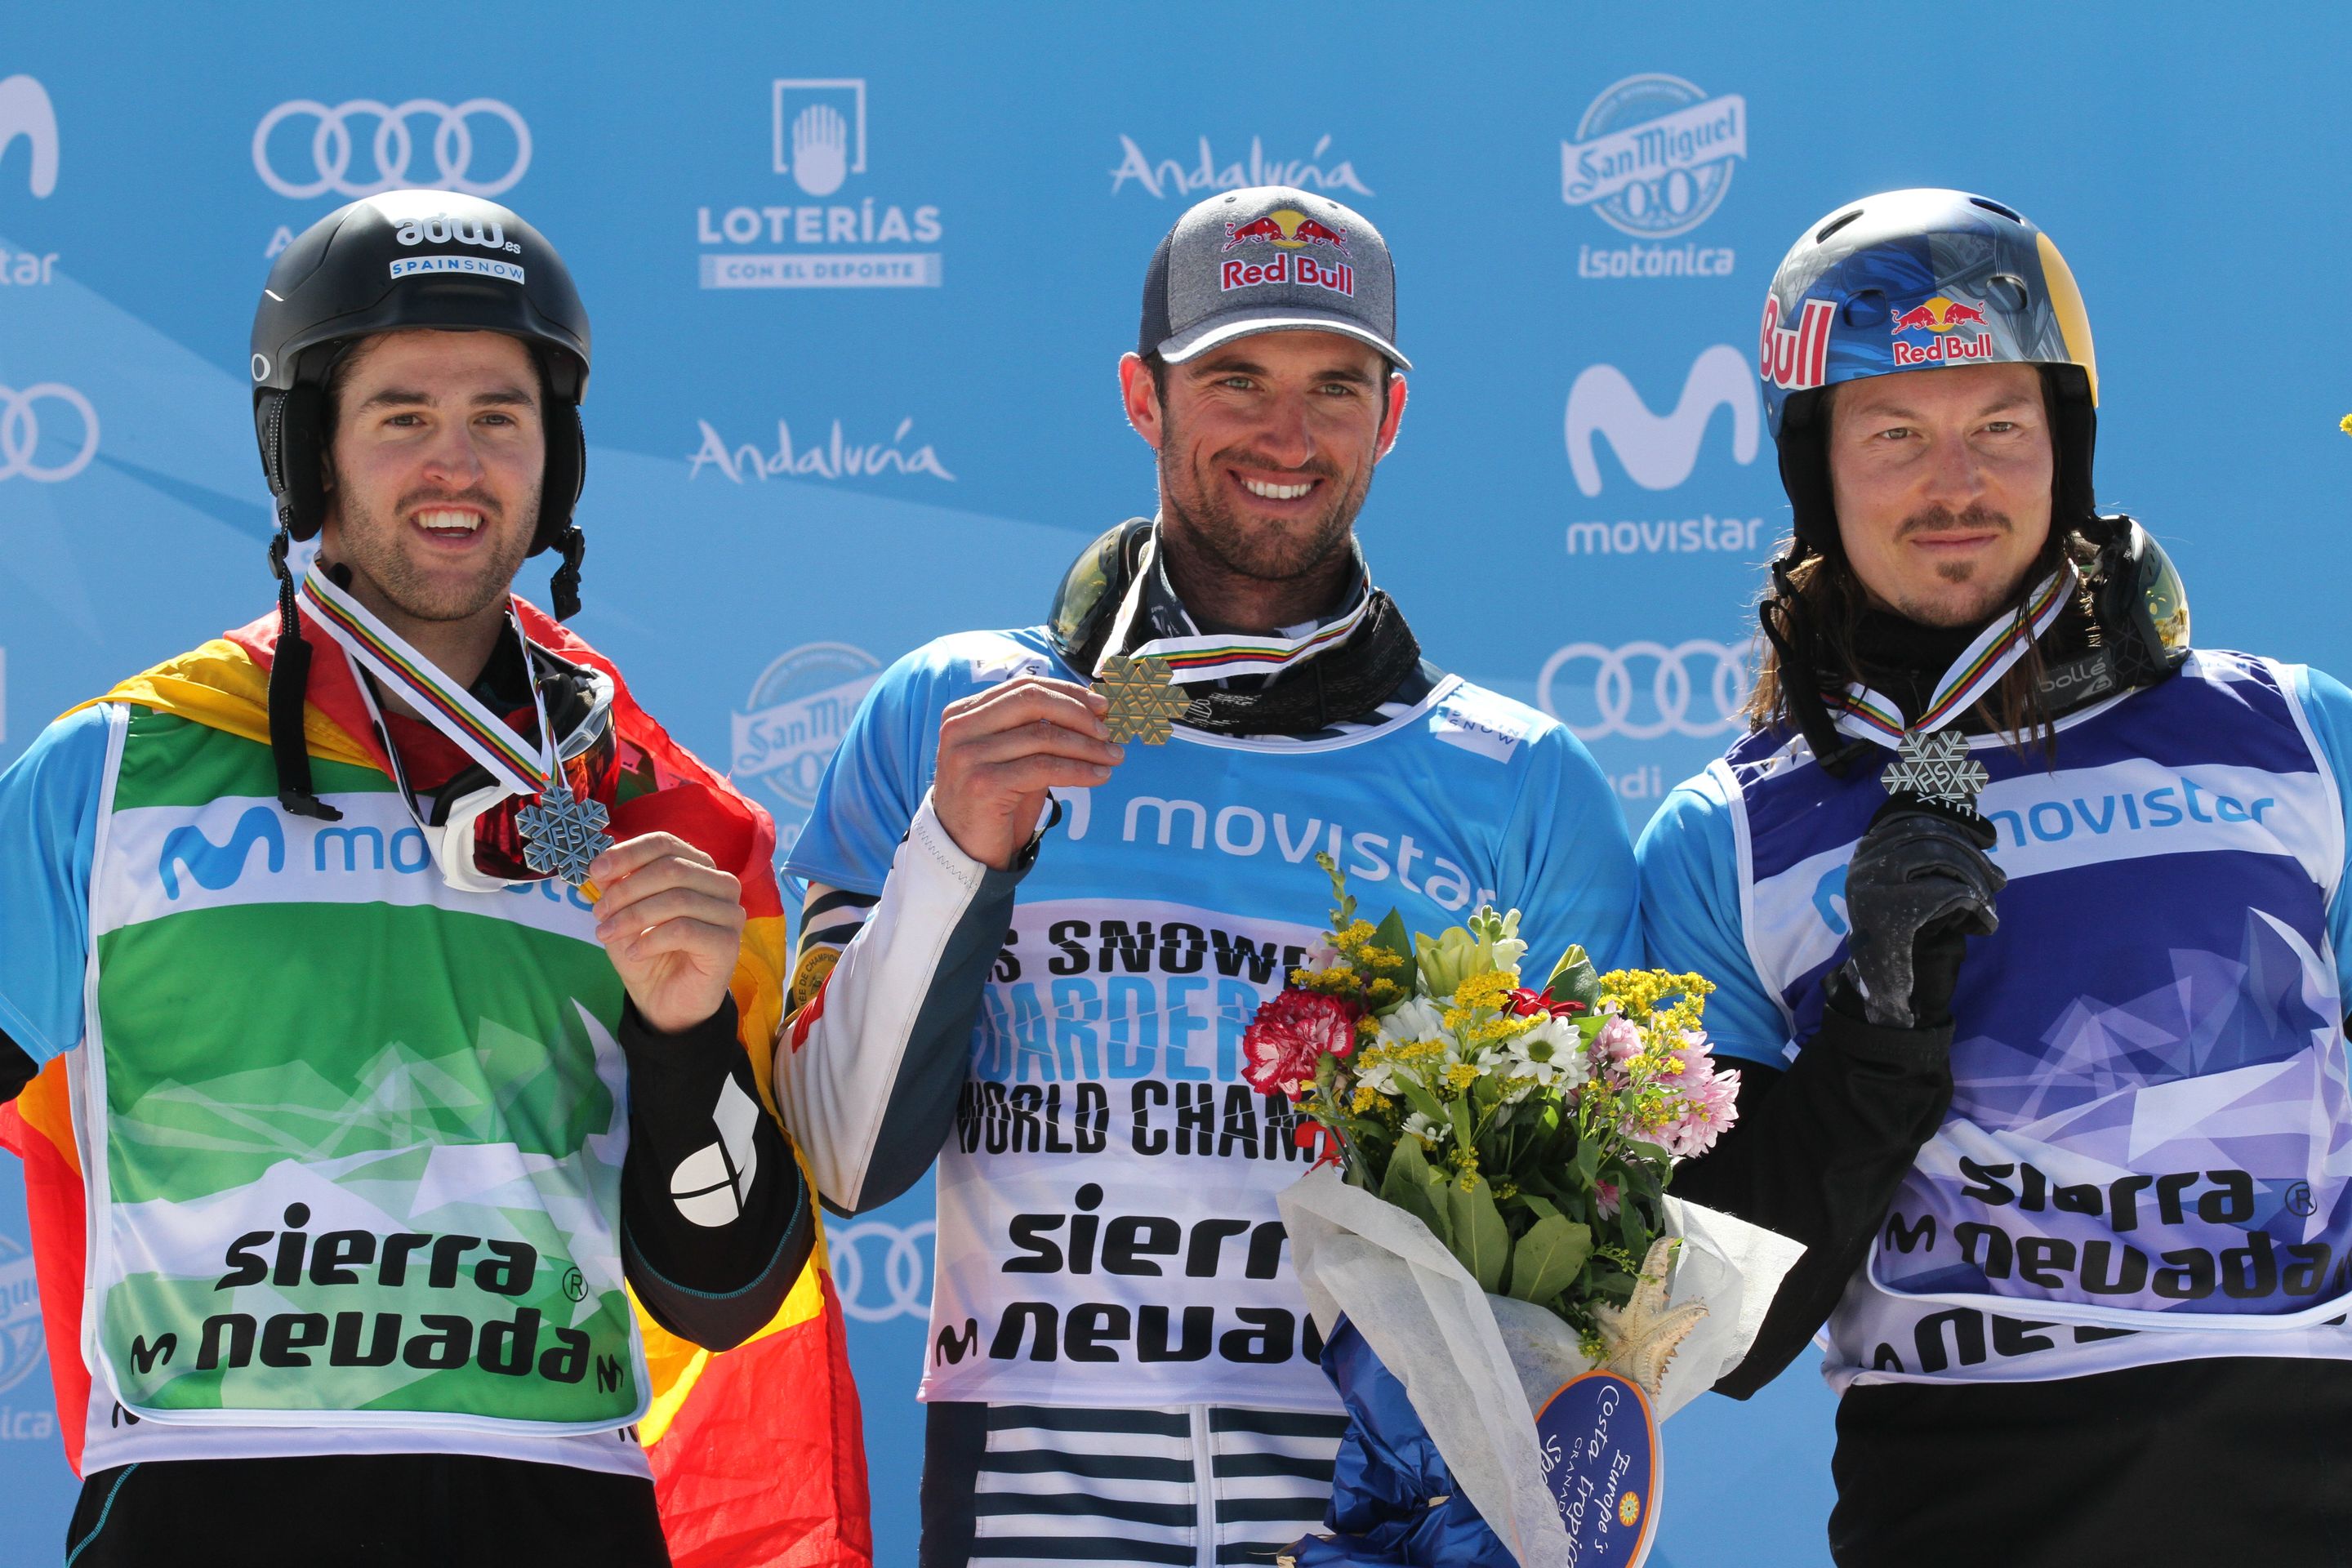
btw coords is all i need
(859, 276)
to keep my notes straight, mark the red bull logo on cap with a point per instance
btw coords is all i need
(1288, 267)
(1797, 357)
(1941, 316)
(1284, 228)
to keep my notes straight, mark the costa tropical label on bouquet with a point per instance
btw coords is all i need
(1598, 1444)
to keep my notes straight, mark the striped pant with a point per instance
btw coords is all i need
(1188, 1485)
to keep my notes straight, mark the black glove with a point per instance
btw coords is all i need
(1920, 885)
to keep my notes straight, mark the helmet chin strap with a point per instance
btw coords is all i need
(290, 684)
(566, 587)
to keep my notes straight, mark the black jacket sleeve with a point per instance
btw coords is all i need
(1817, 1154)
(716, 1221)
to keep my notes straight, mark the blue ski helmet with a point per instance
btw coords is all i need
(1915, 281)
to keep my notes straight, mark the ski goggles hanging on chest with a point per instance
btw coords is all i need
(524, 811)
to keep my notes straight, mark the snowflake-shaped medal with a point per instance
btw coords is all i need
(562, 832)
(1145, 701)
(1937, 769)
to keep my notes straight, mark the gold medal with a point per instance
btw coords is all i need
(1145, 701)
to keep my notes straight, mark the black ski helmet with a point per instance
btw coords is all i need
(408, 259)
(403, 259)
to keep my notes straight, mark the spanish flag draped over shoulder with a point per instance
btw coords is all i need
(757, 1453)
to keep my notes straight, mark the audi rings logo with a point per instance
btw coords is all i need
(1644, 690)
(39, 427)
(881, 1271)
(391, 147)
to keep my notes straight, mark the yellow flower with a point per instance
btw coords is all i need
(1462, 1075)
(1486, 990)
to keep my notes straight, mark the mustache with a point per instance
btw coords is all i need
(1944, 519)
(1321, 468)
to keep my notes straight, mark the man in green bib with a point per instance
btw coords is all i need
(373, 984)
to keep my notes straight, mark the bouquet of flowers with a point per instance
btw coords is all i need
(1529, 1133)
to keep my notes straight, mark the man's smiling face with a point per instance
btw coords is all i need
(435, 472)
(1266, 446)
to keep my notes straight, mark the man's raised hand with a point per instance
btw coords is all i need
(673, 924)
(1001, 750)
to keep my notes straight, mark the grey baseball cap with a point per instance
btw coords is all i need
(1271, 258)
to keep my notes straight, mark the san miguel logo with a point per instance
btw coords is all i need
(1796, 357)
(1290, 233)
(1941, 318)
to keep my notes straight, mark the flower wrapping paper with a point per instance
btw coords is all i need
(1477, 1366)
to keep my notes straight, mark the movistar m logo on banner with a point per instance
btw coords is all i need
(218, 866)
(26, 112)
(1658, 452)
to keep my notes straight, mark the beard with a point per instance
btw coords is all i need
(1256, 548)
(369, 543)
(1973, 593)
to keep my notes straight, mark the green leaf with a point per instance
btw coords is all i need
(1420, 1098)
(1391, 935)
(1409, 1167)
(1408, 1184)
(1588, 1159)
(1548, 1257)
(1458, 1111)
(1481, 1240)
(1573, 978)
(1545, 1209)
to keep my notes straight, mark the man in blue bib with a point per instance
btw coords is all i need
(2028, 927)
(1121, 1367)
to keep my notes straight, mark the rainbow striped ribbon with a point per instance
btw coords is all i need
(445, 705)
(1218, 655)
(1868, 715)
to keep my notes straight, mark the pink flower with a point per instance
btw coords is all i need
(1708, 1113)
(1618, 1042)
(1605, 1197)
(1290, 1034)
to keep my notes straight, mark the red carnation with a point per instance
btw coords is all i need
(1291, 1034)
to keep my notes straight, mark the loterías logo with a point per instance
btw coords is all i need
(304, 149)
(817, 139)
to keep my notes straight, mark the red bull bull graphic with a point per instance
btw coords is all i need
(1795, 358)
(1288, 267)
(1285, 228)
(1940, 316)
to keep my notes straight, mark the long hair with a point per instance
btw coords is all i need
(1814, 607)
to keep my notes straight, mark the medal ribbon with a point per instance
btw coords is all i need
(1868, 715)
(445, 705)
(1219, 655)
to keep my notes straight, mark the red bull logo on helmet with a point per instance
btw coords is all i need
(1284, 228)
(1288, 266)
(1941, 316)
(1796, 358)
